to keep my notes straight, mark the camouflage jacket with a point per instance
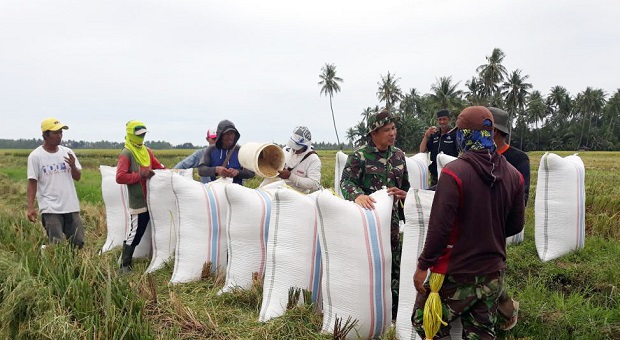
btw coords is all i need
(368, 170)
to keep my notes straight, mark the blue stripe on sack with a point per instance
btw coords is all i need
(377, 267)
(316, 276)
(215, 229)
(424, 173)
(267, 214)
(327, 299)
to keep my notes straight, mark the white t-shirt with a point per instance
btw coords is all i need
(55, 189)
(306, 175)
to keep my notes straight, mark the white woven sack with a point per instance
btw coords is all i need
(200, 237)
(341, 161)
(145, 247)
(417, 167)
(417, 213)
(249, 212)
(290, 255)
(355, 249)
(118, 218)
(164, 213)
(116, 200)
(559, 206)
(442, 160)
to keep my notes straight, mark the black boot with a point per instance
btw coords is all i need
(126, 258)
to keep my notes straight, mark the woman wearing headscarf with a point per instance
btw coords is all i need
(135, 165)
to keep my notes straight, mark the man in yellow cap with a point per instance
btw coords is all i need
(52, 168)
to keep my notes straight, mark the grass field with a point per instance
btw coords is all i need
(61, 295)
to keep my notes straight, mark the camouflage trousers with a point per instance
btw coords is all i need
(396, 243)
(472, 298)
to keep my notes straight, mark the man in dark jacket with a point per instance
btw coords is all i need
(222, 158)
(514, 156)
(478, 203)
(438, 139)
(508, 308)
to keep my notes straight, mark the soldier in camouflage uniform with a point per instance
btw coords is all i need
(373, 166)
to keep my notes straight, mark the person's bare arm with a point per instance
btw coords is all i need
(31, 193)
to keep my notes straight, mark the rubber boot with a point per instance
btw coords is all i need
(126, 258)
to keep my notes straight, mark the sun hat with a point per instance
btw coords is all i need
(300, 138)
(500, 119)
(379, 119)
(52, 124)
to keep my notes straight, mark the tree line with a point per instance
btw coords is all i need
(156, 145)
(556, 120)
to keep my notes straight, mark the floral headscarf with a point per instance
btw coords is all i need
(475, 140)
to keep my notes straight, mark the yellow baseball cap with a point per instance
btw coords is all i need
(52, 124)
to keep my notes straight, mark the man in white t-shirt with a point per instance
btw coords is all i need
(52, 168)
(302, 168)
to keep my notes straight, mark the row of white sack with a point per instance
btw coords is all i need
(318, 242)
(257, 249)
(559, 202)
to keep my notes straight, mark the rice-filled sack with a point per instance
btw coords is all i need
(417, 167)
(442, 160)
(249, 213)
(417, 213)
(559, 206)
(341, 161)
(164, 213)
(116, 200)
(203, 213)
(291, 261)
(356, 255)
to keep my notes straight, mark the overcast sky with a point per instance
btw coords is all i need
(182, 66)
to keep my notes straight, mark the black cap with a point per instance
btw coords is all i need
(442, 113)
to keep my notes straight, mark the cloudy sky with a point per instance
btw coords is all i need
(182, 66)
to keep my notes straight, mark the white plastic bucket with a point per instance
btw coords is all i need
(265, 159)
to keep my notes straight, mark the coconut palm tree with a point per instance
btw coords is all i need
(590, 103)
(389, 91)
(515, 91)
(559, 104)
(493, 72)
(329, 85)
(446, 95)
(612, 112)
(410, 105)
(367, 113)
(475, 92)
(536, 111)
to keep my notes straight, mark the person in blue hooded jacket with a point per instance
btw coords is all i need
(222, 158)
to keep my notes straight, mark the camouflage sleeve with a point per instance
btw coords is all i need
(351, 180)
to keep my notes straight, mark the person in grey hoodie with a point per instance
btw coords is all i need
(222, 158)
(478, 203)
